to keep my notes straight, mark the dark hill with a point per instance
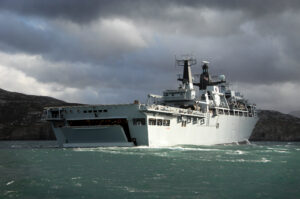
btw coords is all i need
(20, 116)
(20, 119)
(276, 126)
(295, 113)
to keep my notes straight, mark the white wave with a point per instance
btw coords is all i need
(159, 176)
(236, 152)
(9, 192)
(9, 183)
(277, 150)
(187, 148)
(262, 160)
(281, 151)
(141, 150)
(132, 189)
(56, 187)
(76, 178)
(78, 185)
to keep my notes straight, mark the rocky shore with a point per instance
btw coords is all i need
(20, 119)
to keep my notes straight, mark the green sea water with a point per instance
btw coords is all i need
(256, 170)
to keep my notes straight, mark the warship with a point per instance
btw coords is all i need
(204, 112)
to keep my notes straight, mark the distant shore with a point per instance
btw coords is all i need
(20, 119)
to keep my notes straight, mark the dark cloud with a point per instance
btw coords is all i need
(130, 45)
(85, 11)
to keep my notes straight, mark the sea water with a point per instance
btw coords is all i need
(256, 170)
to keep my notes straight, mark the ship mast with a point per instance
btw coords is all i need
(187, 79)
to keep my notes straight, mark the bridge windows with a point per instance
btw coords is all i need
(166, 122)
(152, 121)
(92, 111)
(159, 122)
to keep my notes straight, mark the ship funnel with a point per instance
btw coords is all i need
(204, 77)
(206, 80)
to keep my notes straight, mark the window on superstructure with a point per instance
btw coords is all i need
(179, 119)
(202, 121)
(231, 112)
(90, 111)
(84, 111)
(188, 120)
(138, 121)
(166, 122)
(209, 95)
(105, 110)
(152, 121)
(159, 122)
(195, 120)
(99, 111)
(203, 97)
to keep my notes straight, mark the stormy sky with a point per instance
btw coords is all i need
(118, 51)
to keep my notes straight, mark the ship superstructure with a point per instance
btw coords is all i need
(203, 112)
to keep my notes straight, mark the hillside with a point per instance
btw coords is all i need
(20, 119)
(295, 113)
(20, 116)
(276, 126)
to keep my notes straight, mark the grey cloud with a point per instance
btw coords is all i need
(55, 43)
(253, 42)
(17, 36)
(85, 11)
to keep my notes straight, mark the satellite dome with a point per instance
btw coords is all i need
(222, 78)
